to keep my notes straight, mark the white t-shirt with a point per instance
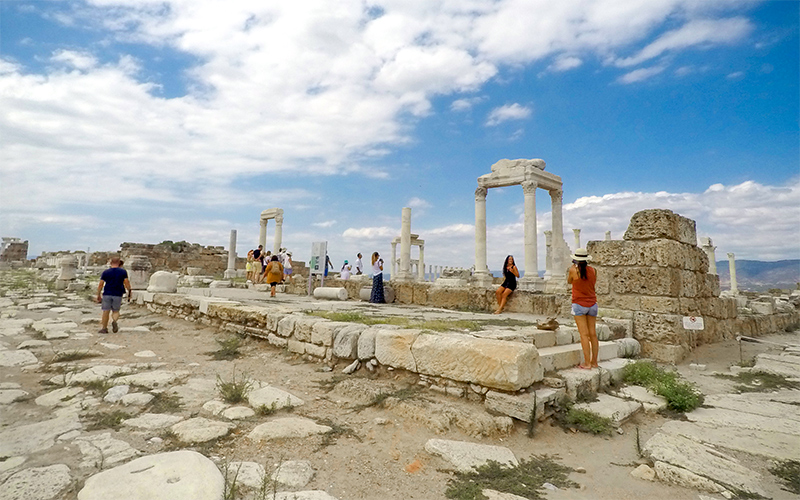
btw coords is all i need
(376, 267)
(359, 266)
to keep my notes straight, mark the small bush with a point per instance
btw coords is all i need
(761, 382)
(588, 421)
(681, 396)
(234, 391)
(228, 348)
(266, 411)
(97, 386)
(74, 355)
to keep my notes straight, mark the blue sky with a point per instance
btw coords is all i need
(145, 121)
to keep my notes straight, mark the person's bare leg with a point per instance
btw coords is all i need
(497, 293)
(104, 320)
(272, 291)
(503, 299)
(583, 329)
(591, 323)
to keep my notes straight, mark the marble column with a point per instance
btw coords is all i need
(230, 272)
(608, 235)
(262, 235)
(548, 256)
(559, 266)
(421, 267)
(394, 259)
(482, 276)
(732, 267)
(404, 272)
(531, 248)
(577, 234)
(276, 247)
(708, 246)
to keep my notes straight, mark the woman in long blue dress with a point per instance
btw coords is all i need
(376, 297)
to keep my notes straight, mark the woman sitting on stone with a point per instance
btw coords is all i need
(583, 277)
(510, 275)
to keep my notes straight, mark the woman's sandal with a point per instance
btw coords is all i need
(584, 367)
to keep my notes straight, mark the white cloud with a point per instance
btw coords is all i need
(78, 60)
(508, 112)
(735, 75)
(702, 33)
(369, 233)
(564, 63)
(465, 104)
(327, 223)
(418, 203)
(641, 74)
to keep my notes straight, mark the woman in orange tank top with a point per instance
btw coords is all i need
(582, 277)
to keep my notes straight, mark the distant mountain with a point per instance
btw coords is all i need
(760, 276)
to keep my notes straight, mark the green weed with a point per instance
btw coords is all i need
(106, 420)
(74, 355)
(588, 421)
(681, 395)
(789, 473)
(228, 348)
(165, 402)
(524, 480)
(234, 391)
(760, 382)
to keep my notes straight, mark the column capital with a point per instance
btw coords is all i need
(263, 222)
(480, 194)
(556, 194)
(529, 187)
(279, 220)
(731, 255)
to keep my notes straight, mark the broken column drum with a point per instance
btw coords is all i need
(139, 271)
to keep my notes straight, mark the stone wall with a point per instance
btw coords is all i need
(657, 275)
(15, 251)
(177, 257)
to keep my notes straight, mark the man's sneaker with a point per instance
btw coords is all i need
(103, 330)
(114, 327)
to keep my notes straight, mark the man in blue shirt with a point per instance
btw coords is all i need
(113, 283)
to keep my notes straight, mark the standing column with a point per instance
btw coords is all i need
(276, 248)
(608, 235)
(231, 271)
(577, 234)
(394, 258)
(548, 256)
(732, 267)
(421, 266)
(404, 273)
(708, 246)
(531, 250)
(482, 276)
(559, 249)
(262, 235)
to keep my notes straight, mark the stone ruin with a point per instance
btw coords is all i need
(13, 251)
(657, 276)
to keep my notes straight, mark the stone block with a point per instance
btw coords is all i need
(660, 328)
(318, 351)
(567, 356)
(664, 353)
(303, 327)
(323, 332)
(277, 341)
(615, 253)
(620, 328)
(712, 283)
(490, 363)
(273, 318)
(393, 348)
(663, 305)
(286, 326)
(449, 298)
(761, 307)
(661, 223)
(345, 342)
(647, 281)
(296, 346)
(521, 406)
(616, 409)
(366, 343)
(539, 338)
(163, 282)
(605, 276)
(629, 302)
(563, 337)
(421, 293)
(603, 332)
(403, 292)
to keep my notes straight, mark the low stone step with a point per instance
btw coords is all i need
(589, 382)
(617, 409)
(567, 356)
(520, 406)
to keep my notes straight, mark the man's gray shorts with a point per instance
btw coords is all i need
(111, 303)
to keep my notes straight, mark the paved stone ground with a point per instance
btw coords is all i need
(325, 438)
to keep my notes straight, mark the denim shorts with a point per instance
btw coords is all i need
(111, 303)
(579, 310)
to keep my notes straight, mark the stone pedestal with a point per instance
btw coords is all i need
(708, 247)
(139, 274)
(67, 266)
